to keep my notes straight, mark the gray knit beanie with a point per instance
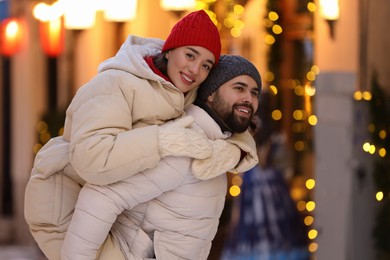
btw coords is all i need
(229, 67)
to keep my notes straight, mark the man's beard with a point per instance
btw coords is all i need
(235, 123)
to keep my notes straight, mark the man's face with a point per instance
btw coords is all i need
(235, 102)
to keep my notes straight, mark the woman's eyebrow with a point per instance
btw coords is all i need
(198, 53)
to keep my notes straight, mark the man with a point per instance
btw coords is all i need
(172, 211)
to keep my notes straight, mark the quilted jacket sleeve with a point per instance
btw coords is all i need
(98, 206)
(105, 146)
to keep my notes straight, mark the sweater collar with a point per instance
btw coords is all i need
(149, 61)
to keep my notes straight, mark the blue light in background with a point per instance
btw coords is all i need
(4, 10)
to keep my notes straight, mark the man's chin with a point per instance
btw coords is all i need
(240, 128)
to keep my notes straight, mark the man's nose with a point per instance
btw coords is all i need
(247, 97)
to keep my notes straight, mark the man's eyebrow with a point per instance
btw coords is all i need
(245, 85)
(241, 83)
(198, 53)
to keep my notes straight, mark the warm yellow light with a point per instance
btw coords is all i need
(273, 89)
(277, 29)
(382, 152)
(310, 206)
(42, 127)
(382, 134)
(310, 90)
(235, 32)
(330, 9)
(269, 39)
(313, 247)
(61, 131)
(312, 234)
(201, 5)
(44, 137)
(308, 220)
(297, 193)
(312, 120)
(311, 7)
(310, 183)
(315, 69)
(367, 95)
(228, 22)
(237, 180)
(372, 149)
(299, 146)
(366, 146)
(299, 91)
(298, 114)
(301, 205)
(276, 114)
(239, 24)
(36, 148)
(379, 196)
(269, 76)
(234, 190)
(120, 10)
(238, 9)
(177, 5)
(358, 95)
(273, 16)
(311, 76)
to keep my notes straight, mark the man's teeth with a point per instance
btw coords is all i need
(243, 110)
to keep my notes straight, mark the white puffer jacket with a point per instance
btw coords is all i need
(169, 214)
(110, 134)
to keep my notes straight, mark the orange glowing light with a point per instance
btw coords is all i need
(52, 37)
(12, 31)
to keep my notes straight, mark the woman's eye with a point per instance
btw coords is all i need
(207, 67)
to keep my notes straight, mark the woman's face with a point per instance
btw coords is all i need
(188, 66)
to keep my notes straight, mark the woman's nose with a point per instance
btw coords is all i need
(194, 68)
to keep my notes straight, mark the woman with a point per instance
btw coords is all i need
(112, 125)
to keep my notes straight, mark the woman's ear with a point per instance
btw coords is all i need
(167, 54)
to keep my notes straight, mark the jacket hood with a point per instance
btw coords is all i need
(130, 57)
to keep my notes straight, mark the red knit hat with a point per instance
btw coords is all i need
(195, 29)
